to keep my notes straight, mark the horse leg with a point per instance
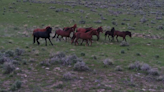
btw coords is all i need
(33, 39)
(97, 37)
(54, 36)
(66, 39)
(124, 38)
(46, 41)
(91, 41)
(50, 41)
(108, 38)
(76, 43)
(82, 42)
(37, 40)
(112, 37)
(87, 42)
(117, 38)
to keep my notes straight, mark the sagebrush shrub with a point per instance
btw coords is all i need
(67, 76)
(16, 85)
(118, 68)
(9, 53)
(8, 67)
(19, 51)
(108, 62)
(55, 60)
(59, 55)
(124, 43)
(145, 67)
(136, 65)
(71, 59)
(4, 59)
(153, 72)
(80, 66)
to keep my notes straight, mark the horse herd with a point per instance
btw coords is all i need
(81, 33)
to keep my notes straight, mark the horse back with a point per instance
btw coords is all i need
(39, 30)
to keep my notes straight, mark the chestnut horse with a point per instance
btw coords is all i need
(84, 36)
(63, 33)
(122, 34)
(99, 29)
(42, 34)
(83, 30)
(110, 33)
(96, 32)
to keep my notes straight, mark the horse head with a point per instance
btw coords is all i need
(100, 29)
(128, 33)
(48, 29)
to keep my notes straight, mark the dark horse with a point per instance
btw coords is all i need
(42, 34)
(63, 33)
(84, 36)
(110, 33)
(122, 34)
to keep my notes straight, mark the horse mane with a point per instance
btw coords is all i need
(87, 29)
(112, 30)
(67, 29)
(99, 29)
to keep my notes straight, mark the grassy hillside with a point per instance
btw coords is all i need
(108, 67)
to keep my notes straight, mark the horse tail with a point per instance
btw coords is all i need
(73, 38)
(54, 35)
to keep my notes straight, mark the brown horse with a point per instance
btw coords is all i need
(63, 33)
(96, 32)
(74, 27)
(122, 34)
(83, 30)
(84, 36)
(99, 29)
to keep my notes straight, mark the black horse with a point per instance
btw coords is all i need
(42, 34)
(110, 33)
